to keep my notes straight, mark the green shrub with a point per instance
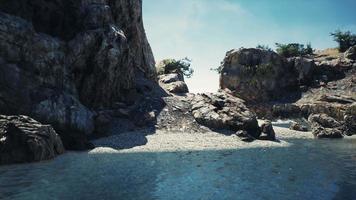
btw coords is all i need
(264, 47)
(182, 66)
(344, 39)
(294, 49)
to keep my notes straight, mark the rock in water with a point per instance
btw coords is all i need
(224, 111)
(267, 128)
(298, 127)
(23, 139)
(324, 126)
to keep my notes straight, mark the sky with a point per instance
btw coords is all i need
(204, 30)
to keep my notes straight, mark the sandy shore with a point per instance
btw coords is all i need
(163, 141)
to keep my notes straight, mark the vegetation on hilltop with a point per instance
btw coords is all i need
(294, 49)
(344, 39)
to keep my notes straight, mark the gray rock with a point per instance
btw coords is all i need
(304, 68)
(170, 78)
(351, 53)
(267, 128)
(177, 87)
(224, 111)
(257, 75)
(298, 127)
(62, 60)
(23, 139)
(324, 126)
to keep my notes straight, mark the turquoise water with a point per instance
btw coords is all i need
(308, 169)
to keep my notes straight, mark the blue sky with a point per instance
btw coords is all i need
(204, 30)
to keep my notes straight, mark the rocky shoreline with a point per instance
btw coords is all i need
(99, 79)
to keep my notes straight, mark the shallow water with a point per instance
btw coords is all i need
(308, 169)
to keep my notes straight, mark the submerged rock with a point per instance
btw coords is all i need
(23, 139)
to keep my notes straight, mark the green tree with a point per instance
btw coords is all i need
(344, 39)
(182, 66)
(264, 47)
(294, 49)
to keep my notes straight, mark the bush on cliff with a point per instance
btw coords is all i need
(294, 49)
(264, 47)
(344, 39)
(182, 66)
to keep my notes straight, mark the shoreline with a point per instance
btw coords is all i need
(164, 141)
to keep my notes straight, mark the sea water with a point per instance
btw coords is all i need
(306, 169)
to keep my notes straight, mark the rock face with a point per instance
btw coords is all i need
(258, 75)
(62, 60)
(224, 111)
(23, 139)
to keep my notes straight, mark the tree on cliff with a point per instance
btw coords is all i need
(182, 66)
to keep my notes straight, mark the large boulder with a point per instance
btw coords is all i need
(23, 139)
(173, 83)
(224, 111)
(267, 129)
(257, 75)
(60, 61)
(324, 126)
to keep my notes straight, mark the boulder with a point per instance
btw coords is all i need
(298, 127)
(257, 75)
(224, 111)
(267, 129)
(177, 87)
(351, 53)
(324, 126)
(350, 125)
(170, 78)
(22, 139)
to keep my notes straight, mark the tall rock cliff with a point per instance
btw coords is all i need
(62, 60)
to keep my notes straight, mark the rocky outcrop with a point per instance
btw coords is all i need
(351, 53)
(60, 61)
(173, 83)
(258, 75)
(224, 111)
(324, 126)
(23, 139)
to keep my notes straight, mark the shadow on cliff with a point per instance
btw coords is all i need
(123, 132)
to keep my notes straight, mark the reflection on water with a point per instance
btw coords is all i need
(309, 169)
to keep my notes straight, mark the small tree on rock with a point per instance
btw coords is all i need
(182, 66)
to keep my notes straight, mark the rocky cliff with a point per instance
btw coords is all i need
(278, 87)
(61, 61)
